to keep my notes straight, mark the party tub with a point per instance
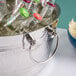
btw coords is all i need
(22, 54)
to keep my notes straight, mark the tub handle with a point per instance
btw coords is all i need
(50, 56)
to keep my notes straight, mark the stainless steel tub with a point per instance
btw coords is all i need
(19, 55)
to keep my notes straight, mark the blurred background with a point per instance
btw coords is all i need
(68, 11)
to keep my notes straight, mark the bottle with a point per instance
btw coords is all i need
(47, 13)
(48, 8)
(3, 9)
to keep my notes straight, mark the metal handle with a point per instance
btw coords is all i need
(49, 55)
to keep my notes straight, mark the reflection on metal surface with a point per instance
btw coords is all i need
(29, 39)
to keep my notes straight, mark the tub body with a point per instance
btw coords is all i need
(15, 60)
(19, 60)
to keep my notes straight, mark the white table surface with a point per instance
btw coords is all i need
(64, 61)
